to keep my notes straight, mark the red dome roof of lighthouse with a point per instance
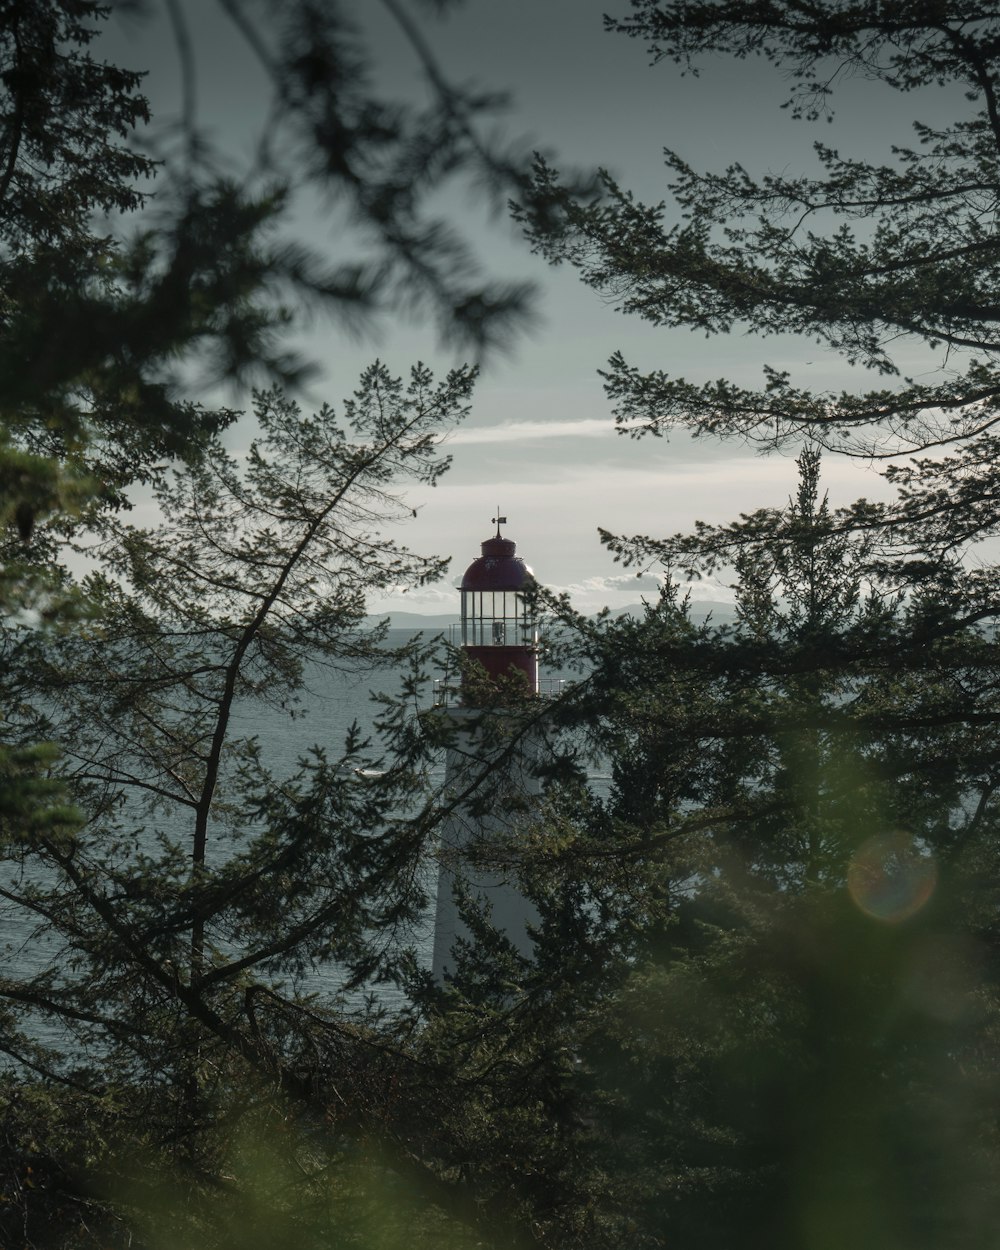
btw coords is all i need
(498, 568)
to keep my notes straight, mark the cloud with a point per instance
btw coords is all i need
(525, 431)
(633, 581)
(620, 590)
(629, 582)
(439, 597)
(588, 594)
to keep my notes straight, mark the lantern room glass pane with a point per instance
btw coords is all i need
(496, 618)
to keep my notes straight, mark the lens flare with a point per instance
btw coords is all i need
(890, 877)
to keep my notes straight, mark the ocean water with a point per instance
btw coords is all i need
(331, 702)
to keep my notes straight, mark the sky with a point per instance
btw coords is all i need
(540, 443)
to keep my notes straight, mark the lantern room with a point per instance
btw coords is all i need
(498, 626)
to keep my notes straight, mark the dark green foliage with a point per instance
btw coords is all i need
(802, 1051)
(781, 923)
(261, 573)
(179, 907)
(868, 259)
(179, 887)
(762, 1008)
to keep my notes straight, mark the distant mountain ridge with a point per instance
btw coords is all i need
(700, 610)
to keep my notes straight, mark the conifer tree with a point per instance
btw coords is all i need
(131, 267)
(874, 261)
(175, 924)
(841, 1094)
(785, 994)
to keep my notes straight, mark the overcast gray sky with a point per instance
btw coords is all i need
(540, 442)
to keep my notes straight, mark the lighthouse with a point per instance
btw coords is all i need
(499, 637)
(489, 779)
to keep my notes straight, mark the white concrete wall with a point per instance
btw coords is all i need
(510, 788)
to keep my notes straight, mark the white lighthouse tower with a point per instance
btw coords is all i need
(490, 778)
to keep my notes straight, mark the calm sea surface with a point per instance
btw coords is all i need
(331, 702)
